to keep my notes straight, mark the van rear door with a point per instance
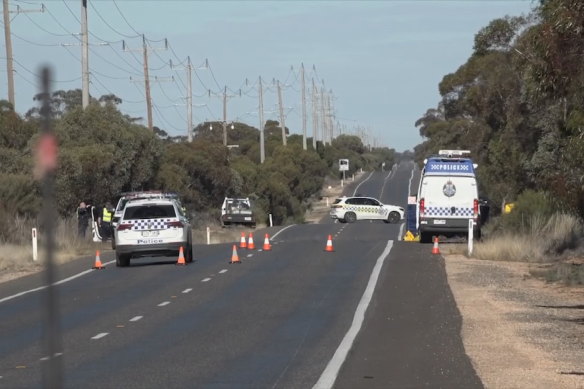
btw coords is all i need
(448, 196)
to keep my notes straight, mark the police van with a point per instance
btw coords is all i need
(448, 196)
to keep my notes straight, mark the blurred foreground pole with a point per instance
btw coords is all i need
(46, 166)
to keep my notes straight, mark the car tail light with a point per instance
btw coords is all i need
(422, 207)
(476, 208)
(123, 227)
(336, 206)
(177, 224)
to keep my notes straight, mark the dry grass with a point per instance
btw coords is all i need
(544, 241)
(18, 256)
(552, 243)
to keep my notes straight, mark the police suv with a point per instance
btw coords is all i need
(351, 209)
(152, 227)
(448, 196)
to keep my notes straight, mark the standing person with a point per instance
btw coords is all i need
(106, 221)
(82, 219)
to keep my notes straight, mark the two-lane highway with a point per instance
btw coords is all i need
(287, 318)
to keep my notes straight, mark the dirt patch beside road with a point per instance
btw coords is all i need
(518, 331)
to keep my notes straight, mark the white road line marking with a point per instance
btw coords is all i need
(249, 255)
(136, 318)
(330, 373)
(410, 183)
(223, 271)
(99, 336)
(361, 183)
(385, 181)
(48, 357)
(187, 290)
(206, 279)
(162, 304)
(56, 283)
(282, 230)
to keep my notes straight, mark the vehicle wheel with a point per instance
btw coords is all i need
(425, 237)
(189, 254)
(350, 217)
(393, 217)
(123, 260)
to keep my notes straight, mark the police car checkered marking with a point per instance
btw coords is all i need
(150, 224)
(366, 209)
(446, 211)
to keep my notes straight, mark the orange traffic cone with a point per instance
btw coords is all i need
(181, 257)
(250, 244)
(242, 243)
(329, 244)
(98, 264)
(234, 256)
(267, 245)
(435, 249)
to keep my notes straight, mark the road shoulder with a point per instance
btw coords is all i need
(518, 331)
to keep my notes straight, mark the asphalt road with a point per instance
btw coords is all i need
(286, 318)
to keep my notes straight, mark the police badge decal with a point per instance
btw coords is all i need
(449, 189)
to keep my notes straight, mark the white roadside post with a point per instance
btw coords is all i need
(470, 236)
(208, 235)
(327, 202)
(35, 253)
(271, 223)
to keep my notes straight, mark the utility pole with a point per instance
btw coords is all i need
(261, 115)
(189, 96)
(224, 97)
(147, 83)
(146, 76)
(331, 115)
(8, 41)
(9, 59)
(84, 56)
(323, 115)
(303, 107)
(282, 121)
(225, 116)
(189, 68)
(314, 114)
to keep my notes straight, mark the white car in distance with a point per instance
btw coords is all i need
(351, 209)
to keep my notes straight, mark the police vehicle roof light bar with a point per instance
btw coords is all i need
(451, 153)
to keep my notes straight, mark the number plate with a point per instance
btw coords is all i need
(439, 221)
(248, 218)
(148, 234)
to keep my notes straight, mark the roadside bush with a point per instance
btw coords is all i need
(544, 241)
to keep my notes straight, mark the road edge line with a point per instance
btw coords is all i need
(330, 373)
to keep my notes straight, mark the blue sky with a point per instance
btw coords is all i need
(382, 60)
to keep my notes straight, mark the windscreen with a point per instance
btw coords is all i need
(149, 211)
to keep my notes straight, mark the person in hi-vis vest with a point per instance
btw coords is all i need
(105, 222)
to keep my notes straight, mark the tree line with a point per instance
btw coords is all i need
(518, 105)
(103, 152)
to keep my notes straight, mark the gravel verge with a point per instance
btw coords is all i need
(519, 332)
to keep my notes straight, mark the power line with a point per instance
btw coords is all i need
(34, 43)
(126, 20)
(42, 28)
(109, 25)
(38, 76)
